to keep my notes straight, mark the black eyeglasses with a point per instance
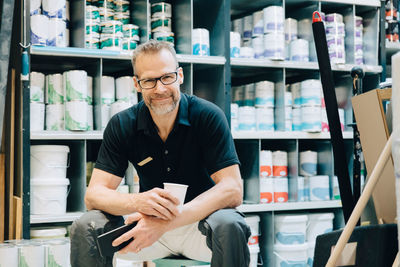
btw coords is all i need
(166, 79)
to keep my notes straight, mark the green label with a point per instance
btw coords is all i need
(121, 7)
(92, 28)
(53, 97)
(131, 33)
(129, 45)
(71, 93)
(159, 23)
(51, 261)
(71, 124)
(89, 99)
(166, 39)
(110, 42)
(22, 262)
(111, 29)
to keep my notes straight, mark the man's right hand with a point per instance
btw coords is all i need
(157, 202)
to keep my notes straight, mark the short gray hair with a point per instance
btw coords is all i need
(152, 47)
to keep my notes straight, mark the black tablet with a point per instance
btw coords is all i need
(104, 241)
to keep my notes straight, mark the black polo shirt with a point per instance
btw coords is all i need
(199, 145)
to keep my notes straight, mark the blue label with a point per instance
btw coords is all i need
(60, 14)
(313, 126)
(265, 101)
(201, 50)
(309, 168)
(296, 127)
(37, 40)
(247, 126)
(235, 52)
(258, 31)
(321, 193)
(311, 100)
(266, 126)
(294, 264)
(248, 102)
(290, 238)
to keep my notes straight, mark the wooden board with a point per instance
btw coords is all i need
(17, 203)
(2, 195)
(10, 163)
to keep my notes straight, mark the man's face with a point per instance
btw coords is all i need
(161, 99)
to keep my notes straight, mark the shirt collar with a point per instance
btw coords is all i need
(145, 122)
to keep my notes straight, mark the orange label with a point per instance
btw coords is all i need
(265, 170)
(265, 197)
(280, 171)
(280, 197)
(253, 240)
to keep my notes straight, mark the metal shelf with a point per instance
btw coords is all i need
(290, 206)
(67, 135)
(67, 217)
(267, 63)
(117, 55)
(285, 135)
(374, 3)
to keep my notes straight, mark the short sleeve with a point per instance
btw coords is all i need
(112, 155)
(217, 143)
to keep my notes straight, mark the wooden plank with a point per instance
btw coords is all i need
(18, 217)
(10, 162)
(2, 195)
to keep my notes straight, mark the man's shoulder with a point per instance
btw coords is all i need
(127, 119)
(199, 107)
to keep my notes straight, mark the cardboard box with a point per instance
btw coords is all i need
(374, 133)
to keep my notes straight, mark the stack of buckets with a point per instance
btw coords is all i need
(254, 248)
(295, 237)
(49, 185)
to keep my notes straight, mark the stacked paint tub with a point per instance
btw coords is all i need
(49, 185)
(253, 223)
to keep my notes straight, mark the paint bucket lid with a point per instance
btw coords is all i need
(49, 148)
(53, 232)
(320, 216)
(49, 181)
(291, 218)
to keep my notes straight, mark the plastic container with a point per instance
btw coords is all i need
(253, 223)
(292, 255)
(318, 224)
(49, 196)
(49, 161)
(319, 188)
(290, 229)
(254, 250)
(48, 232)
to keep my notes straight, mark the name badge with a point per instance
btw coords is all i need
(145, 161)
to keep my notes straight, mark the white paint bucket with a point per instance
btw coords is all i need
(75, 115)
(288, 113)
(254, 250)
(57, 34)
(55, 117)
(308, 163)
(49, 161)
(36, 116)
(281, 190)
(274, 46)
(119, 106)
(107, 90)
(290, 29)
(319, 187)
(279, 164)
(253, 223)
(265, 119)
(288, 125)
(235, 44)
(247, 27)
(124, 88)
(201, 42)
(103, 113)
(234, 111)
(90, 126)
(58, 252)
(49, 196)
(299, 50)
(295, 89)
(54, 89)
(8, 255)
(258, 46)
(311, 92)
(273, 19)
(311, 119)
(48, 232)
(288, 99)
(89, 98)
(238, 95)
(266, 190)
(265, 163)
(247, 118)
(32, 254)
(296, 119)
(54, 8)
(246, 52)
(75, 85)
(301, 188)
(310, 253)
(37, 87)
(39, 29)
(249, 94)
(318, 224)
(161, 9)
(293, 255)
(264, 94)
(290, 229)
(161, 24)
(35, 8)
(258, 23)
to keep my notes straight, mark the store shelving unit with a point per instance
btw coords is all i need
(210, 78)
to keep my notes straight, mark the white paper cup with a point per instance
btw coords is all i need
(178, 191)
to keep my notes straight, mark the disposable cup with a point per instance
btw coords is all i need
(178, 191)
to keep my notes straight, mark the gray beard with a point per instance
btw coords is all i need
(165, 109)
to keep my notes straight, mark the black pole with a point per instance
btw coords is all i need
(328, 87)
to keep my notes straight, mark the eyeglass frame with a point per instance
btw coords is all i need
(159, 79)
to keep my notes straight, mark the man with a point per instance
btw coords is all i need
(169, 137)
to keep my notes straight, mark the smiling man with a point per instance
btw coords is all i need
(168, 137)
